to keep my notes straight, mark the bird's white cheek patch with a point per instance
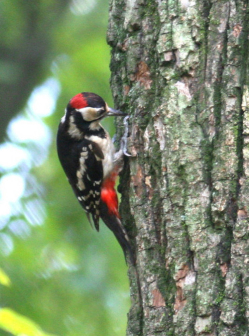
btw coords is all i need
(90, 113)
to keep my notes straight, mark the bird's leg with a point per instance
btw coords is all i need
(119, 155)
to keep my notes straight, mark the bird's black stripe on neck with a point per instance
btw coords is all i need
(100, 132)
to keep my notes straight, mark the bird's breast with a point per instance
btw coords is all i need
(108, 149)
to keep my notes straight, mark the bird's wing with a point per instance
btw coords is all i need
(89, 177)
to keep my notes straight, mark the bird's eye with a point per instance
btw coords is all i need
(91, 113)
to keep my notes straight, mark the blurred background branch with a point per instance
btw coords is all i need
(26, 50)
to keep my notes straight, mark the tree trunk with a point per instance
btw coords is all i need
(180, 69)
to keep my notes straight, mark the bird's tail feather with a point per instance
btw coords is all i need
(115, 225)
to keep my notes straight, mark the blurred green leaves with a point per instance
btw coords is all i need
(4, 279)
(65, 277)
(14, 323)
(19, 325)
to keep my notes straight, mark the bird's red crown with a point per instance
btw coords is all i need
(78, 101)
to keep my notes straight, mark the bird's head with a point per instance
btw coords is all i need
(84, 111)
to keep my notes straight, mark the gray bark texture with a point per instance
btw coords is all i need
(180, 69)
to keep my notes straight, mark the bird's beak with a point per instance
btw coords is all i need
(112, 112)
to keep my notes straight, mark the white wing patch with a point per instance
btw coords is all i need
(80, 172)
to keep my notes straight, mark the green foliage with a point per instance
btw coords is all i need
(19, 325)
(4, 279)
(57, 274)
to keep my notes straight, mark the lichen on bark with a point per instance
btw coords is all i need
(179, 68)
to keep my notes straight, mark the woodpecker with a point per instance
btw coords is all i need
(88, 157)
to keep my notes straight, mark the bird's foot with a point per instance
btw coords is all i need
(124, 138)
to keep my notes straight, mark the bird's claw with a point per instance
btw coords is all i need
(125, 137)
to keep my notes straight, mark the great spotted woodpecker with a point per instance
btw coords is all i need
(88, 157)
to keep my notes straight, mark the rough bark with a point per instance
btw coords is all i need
(179, 68)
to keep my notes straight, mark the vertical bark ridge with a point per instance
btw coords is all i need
(234, 311)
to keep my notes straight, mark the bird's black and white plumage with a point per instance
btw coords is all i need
(87, 155)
